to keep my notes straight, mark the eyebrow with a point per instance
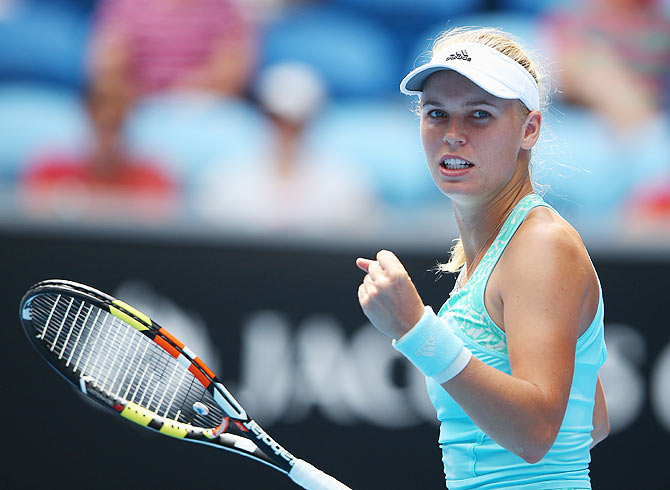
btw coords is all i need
(468, 103)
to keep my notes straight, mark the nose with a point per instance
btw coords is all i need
(454, 134)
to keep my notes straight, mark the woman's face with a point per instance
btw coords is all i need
(472, 139)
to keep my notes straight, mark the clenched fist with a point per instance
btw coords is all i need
(388, 296)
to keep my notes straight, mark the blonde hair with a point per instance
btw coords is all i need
(509, 46)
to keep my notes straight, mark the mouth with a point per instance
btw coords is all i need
(455, 164)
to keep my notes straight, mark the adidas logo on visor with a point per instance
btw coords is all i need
(459, 55)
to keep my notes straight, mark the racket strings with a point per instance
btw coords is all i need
(119, 360)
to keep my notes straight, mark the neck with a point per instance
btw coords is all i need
(480, 222)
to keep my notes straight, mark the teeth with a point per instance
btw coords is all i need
(456, 163)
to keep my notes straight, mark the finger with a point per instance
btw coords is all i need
(361, 293)
(369, 284)
(363, 264)
(363, 297)
(375, 271)
(389, 261)
(386, 258)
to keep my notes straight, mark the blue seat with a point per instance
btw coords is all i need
(380, 139)
(188, 131)
(417, 9)
(523, 26)
(536, 6)
(354, 56)
(44, 42)
(587, 171)
(520, 25)
(37, 118)
(406, 20)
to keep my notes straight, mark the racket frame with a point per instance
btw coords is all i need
(252, 441)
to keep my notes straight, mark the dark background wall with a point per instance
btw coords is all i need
(232, 293)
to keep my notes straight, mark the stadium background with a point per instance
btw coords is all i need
(281, 288)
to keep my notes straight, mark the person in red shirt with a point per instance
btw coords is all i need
(104, 179)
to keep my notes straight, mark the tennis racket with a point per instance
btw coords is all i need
(126, 362)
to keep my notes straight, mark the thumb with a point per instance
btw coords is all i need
(363, 264)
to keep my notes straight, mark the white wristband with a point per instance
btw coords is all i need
(433, 348)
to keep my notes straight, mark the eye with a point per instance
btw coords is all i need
(436, 113)
(481, 114)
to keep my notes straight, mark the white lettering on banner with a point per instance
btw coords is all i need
(266, 368)
(346, 380)
(287, 373)
(660, 387)
(382, 402)
(622, 381)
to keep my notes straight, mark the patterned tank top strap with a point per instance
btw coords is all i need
(481, 328)
(507, 231)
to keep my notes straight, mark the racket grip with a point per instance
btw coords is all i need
(312, 478)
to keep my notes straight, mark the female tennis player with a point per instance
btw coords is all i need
(512, 358)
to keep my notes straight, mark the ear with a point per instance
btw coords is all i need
(531, 129)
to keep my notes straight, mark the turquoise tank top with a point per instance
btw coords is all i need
(471, 459)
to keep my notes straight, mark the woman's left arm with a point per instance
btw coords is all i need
(544, 279)
(545, 284)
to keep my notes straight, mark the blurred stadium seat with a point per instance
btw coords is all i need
(522, 26)
(380, 138)
(406, 19)
(355, 56)
(589, 170)
(187, 131)
(534, 6)
(417, 9)
(43, 41)
(36, 118)
(361, 49)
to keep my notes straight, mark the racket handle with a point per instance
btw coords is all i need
(311, 478)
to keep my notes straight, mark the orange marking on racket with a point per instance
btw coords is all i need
(204, 367)
(172, 339)
(166, 345)
(199, 374)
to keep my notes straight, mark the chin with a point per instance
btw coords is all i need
(456, 189)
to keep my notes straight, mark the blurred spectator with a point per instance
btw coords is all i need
(612, 69)
(613, 57)
(149, 46)
(648, 208)
(103, 180)
(653, 198)
(287, 188)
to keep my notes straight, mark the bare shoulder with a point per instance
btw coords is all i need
(547, 260)
(543, 231)
(545, 249)
(544, 245)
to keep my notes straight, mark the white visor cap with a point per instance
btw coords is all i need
(487, 67)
